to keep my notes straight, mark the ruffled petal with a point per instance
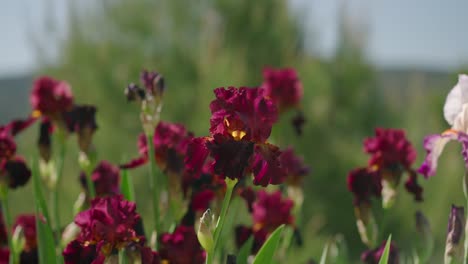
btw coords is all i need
(434, 145)
(455, 99)
(197, 153)
(266, 165)
(231, 157)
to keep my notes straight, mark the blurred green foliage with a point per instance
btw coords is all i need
(201, 45)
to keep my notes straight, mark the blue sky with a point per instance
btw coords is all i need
(427, 33)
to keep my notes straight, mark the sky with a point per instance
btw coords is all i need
(400, 33)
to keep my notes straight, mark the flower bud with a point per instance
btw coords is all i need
(455, 228)
(80, 203)
(206, 229)
(45, 142)
(424, 241)
(154, 84)
(18, 240)
(48, 173)
(134, 93)
(366, 225)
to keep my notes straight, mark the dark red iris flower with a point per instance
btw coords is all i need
(109, 224)
(181, 247)
(283, 87)
(391, 155)
(294, 166)
(270, 211)
(28, 224)
(243, 113)
(364, 184)
(106, 178)
(170, 145)
(241, 123)
(390, 149)
(243, 233)
(50, 96)
(372, 256)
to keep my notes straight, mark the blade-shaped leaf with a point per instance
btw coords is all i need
(323, 258)
(386, 253)
(40, 201)
(267, 251)
(45, 235)
(126, 186)
(245, 251)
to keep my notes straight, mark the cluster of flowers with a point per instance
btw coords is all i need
(198, 173)
(391, 156)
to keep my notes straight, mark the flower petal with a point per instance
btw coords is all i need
(434, 145)
(455, 99)
(266, 165)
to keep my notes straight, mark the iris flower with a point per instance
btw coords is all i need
(456, 115)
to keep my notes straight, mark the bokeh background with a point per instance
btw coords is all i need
(364, 64)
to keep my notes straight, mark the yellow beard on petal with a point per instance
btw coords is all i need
(236, 134)
(36, 113)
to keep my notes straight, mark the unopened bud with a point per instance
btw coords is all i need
(45, 141)
(18, 240)
(80, 203)
(134, 93)
(48, 173)
(455, 228)
(366, 224)
(206, 229)
(154, 83)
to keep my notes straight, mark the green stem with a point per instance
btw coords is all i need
(122, 257)
(154, 187)
(60, 159)
(8, 223)
(90, 184)
(222, 218)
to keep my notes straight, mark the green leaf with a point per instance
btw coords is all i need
(45, 235)
(323, 258)
(46, 242)
(126, 186)
(386, 253)
(40, 201)
(245, 251)
(267, 251)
